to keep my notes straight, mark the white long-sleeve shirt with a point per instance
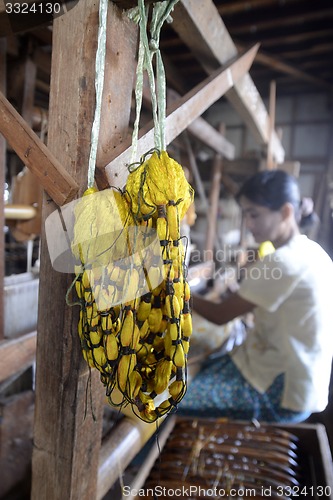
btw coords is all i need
(293, 334)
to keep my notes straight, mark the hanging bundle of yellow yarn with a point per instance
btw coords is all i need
(140, 345)
(159, 196)
(135, 320)
(160, 180)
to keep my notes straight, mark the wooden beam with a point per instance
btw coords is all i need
(212, 214)
(245, 6)
(199, 128)
(274, 22)
(201, 28)
(3, 167)
(207, 134)
(69, 397)
(28, 91)
(125, 441)
(272, 107)
(283, 39)
(181, 114)
(17, 354)
(279, 65)
(35, 155)
(153, 455)
(200, 189)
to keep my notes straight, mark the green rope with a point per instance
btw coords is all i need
(147, 50)
(99, 81)
(138, 96)
(150, 70)
(161, 14)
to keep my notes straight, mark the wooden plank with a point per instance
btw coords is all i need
(35, 155)
(118, 86)
(69, 398)
(17, 354)
(201, 28)
(207, 134)
(124, 442)
(245, 6)
(199, 187)
(3, 147)
(181, 114)
(153, 455)
(289, 69)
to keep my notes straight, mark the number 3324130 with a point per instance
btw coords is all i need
(32, 8)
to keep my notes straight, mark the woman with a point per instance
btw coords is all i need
(281, 371)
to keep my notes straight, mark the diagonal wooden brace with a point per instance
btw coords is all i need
(182, 114)
(53, 177)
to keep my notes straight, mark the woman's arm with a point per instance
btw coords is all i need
(222, 312)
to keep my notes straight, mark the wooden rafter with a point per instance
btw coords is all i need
(203, 31)
(35, 155)
(274, 22)
(247, 6)
(278, 41)
(181, 114)
(281, 66)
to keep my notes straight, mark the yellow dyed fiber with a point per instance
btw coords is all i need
(100, 219)
(157, 181)
(265, 248)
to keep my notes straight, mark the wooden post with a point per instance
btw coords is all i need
(69, 399)
(271, 161)
(195, 172)
(30, 71)
(214, 203)
(3, 47)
